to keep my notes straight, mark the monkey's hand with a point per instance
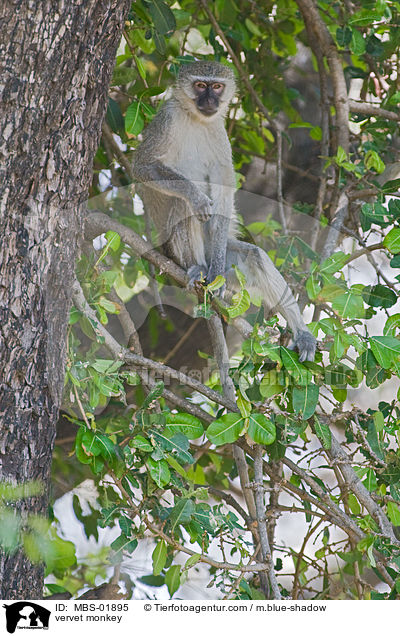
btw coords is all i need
(202, 207)
(306, 344)
(196, 274)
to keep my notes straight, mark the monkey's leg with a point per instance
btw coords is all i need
(186, 247)
(264, 280)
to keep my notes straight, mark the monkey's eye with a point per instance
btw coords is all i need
(217, 87)
(201, 85)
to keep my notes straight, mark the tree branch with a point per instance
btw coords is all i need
(120, 353)
(372, 111)
(97, 223)
(262, 528)
(320, 40)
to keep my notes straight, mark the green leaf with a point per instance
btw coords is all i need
(159, 557)
(178, 444)
(269, 385)
(330, 292)
(108, 450)
(386, 350)
(226, 429)
(357, 44)
(134, 121)
(392, 241)
(114, 117)
(74, 316)
(323, 432)
(244, 405)
(353, 504)
(393, 513)
(9, 529)
(141, 443)
(370, 481)
(154, 394)
(313, 287)
(373, 161)
(240, 303)
(159, 471)
(173, 579)
(195, 558)
(184, 423)
(140, 67)
(106, 366)
(159, 41)
(123, 543)
(350, 304)
(113, 240)
(13, 492)
(300, 373)
(123, 75)
(252, 27)
(379, 296)
(379, 421)
(177, 467)
(203, 516)
(334, 263)
(91, 443)
(181, 513)
(261, 430)
(343, 36)
(153, 581)
(391, 186)
(163, 18)
(305, 399)
(217, 283)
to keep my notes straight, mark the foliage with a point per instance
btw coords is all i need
(170, 475)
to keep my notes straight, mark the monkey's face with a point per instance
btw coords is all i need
(207, 96)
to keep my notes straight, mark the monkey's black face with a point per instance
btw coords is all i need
(208, 96)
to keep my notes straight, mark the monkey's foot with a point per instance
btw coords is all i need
(196, 273)
(306, 344)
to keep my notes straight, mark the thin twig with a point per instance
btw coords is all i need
(262, 527)
(372, 111)
(279, 179)
(367, 445)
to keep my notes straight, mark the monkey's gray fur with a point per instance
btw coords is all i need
(186, 181)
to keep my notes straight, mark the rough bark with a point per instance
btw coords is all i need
(57, 56)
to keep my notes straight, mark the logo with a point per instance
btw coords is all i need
(26, 615)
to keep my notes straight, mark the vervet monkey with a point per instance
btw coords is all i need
(186, 181)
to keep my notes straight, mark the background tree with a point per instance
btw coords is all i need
(57, 61)
(208, 466)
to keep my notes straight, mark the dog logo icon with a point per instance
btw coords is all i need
(26, 615)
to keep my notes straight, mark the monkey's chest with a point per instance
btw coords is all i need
(196, 158)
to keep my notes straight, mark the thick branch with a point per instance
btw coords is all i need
(97, 223)
(320, 40)
(336, 226)
(120, 353)
(182, 378)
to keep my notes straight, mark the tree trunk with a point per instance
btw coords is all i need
(57, 60)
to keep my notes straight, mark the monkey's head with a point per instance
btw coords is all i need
(205, 88)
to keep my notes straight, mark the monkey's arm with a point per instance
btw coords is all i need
(159, 177)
